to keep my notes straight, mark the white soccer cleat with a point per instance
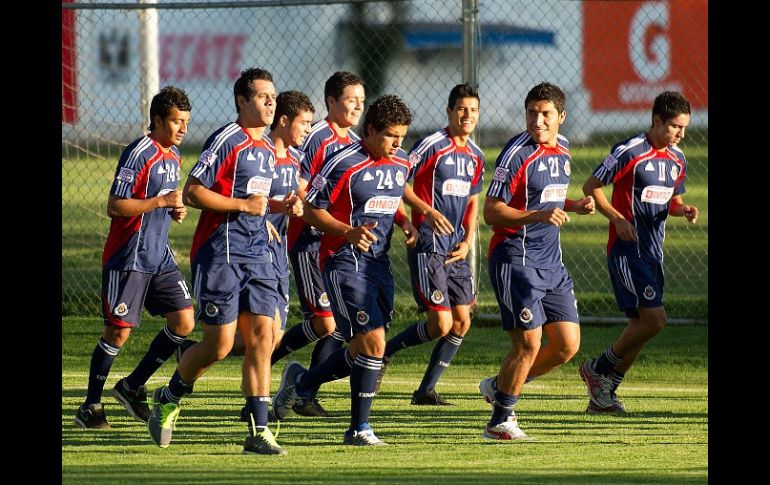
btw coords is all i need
(487, 389)
(507, 430)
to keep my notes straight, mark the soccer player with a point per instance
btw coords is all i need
(526, 205)
(447, 175)
(138, 267)
(353, 200)
(648, 174)
(233, 277)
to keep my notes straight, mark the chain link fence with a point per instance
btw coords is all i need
(610, 58)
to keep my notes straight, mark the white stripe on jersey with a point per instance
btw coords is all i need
(621, 149)
(122, 188)
(226, 133)
(305, 273)
(519, 142)
(329, 166)
(197, 285)
(430, 140)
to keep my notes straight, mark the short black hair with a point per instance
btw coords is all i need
(546, 91)
(338, 82)
(461, 91)
(168, 97)
(243, 85)
(386, 111)
(670, 104)
(290, 103)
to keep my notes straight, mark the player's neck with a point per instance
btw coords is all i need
(367, 144)
(459, 139)
(254, 132)
(281, 147)
(656, 143)
(163, 147)
(341, 132)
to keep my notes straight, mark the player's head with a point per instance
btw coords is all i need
(670, 117)
(254, 96)
(344, 98)
(293, 116)
(169, 116)
(463, 110)
(385, 125)
(545, 111)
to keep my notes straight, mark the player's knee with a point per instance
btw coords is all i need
(116, 336)
(323, 326)
(182, 327)
(567, 351)
(654, 321)
(461, 327)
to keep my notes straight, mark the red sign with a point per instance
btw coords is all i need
(633, 51)
(69, 100)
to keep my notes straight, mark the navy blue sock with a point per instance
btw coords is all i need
(257, 406)
(337, 366)
(502, 407)
(101, 361)
(606, 362)
(363, 379)
(409, 337)
(161, 348)
(176, 390)
(297, 337)
(323, 349)
(442, 355)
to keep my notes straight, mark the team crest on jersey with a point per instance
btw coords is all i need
(318, 182)
(400, 179)
(610, 162)
(567, 168)
(211, 309)
(501, 174)
(526, 315)
(414, 158)
(649, 293)
(121, 310)
(437, 297)
(126, 175)
(362, 317)
(324, 299)
(207, 158)
(674, 172)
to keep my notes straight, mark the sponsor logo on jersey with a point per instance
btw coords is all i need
(400, 179)
(567, 168)
(161, 169)
(655, 194)
(553, 193)
(362, 317)
(649, 167)
(610, 162)
(459, 188)
(323, 300)
(437, 297)
(449, 160)
(500, 175)
(526, 315)
(414, 158)
(258, 185)
(318, 182)
(541, 167)
(207, 158)
(368, 177)
(381, 205)
(121, 310)
(126, 175)
(211, 309)
(250, 156)
(649, 293)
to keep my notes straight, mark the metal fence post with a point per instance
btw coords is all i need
(149, 51)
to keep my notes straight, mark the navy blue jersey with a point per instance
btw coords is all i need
(285, 180)
(530, 176)
(443, 176)
(356, 189)
(140, 243)
(319, 144)
(234, 165)
(644, 181)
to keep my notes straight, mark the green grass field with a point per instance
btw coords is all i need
(664, 438)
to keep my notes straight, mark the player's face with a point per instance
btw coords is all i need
(346, 110)
(463, 117)
(669, 133)
(299, 128)
(171, 131)
(386, 143)
(260, 109)
(543, 121)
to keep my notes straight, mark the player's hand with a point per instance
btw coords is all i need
(255, 205)
(690, 212)
(459, 252)
(272, 232)
(626, 231)
(179, 213)
(439, 223)
(410, 233)
(172, 199)
(555, 217)
(361, 236)
(292, 205)
(586, 205)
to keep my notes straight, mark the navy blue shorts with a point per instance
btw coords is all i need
(438, 286)
(360, 300)
(223, 291)
(530, 297)
(124, 293)
(310, 285)
(636, 282)
(283, 300)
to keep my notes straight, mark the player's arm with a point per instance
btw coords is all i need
(359, 236)
(198, 196)
(593, 187)
(498, 213)
(402, 220)
(583, 206)
(434, 218)
(679, 209)
(460, 251)
(120, 207)
(291, 205)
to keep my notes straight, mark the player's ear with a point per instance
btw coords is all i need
(562, 116)
(283, 121)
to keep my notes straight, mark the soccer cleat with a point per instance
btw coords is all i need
(599, 386)
(508, 430)
(162, 419)
(616, 407)
(385, 364)
(244, 415)
(428, 398)
(135, 402)
(92, 417)
(487, 389)
(362, 438)
(284, 398)
(309, 407)
(186, 344)
(263, 443)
